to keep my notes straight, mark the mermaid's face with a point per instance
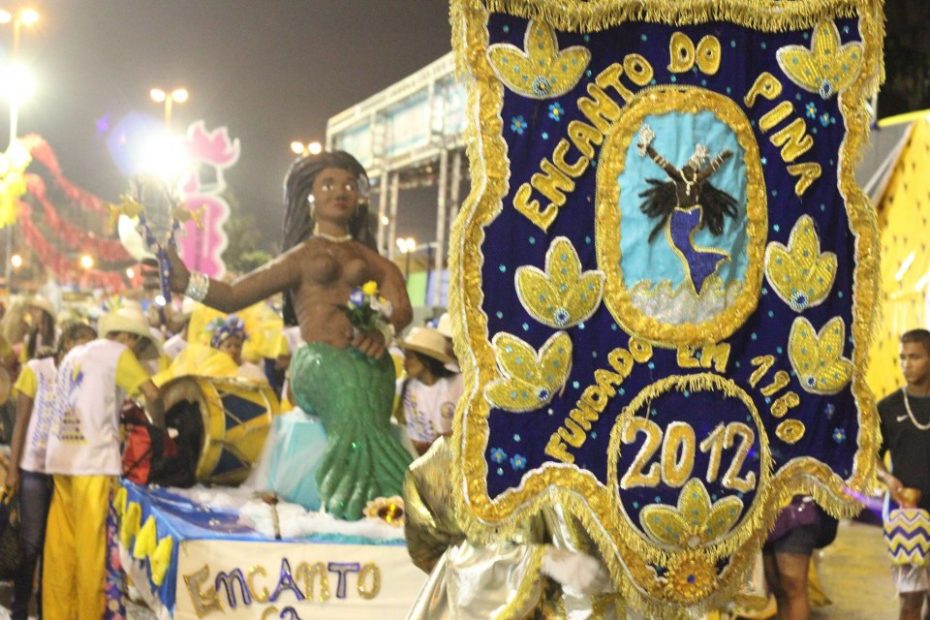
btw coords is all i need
(689, 172)
(335, 195)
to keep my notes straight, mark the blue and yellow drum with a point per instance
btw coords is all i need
(236, 415)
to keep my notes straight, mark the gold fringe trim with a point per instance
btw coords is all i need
(764, 15)
(577, 491)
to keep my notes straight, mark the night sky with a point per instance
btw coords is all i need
(272, 71)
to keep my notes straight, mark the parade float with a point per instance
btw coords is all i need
(224, 549)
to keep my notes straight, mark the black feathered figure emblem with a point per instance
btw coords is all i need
(688, 187)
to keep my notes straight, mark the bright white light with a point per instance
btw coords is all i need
(297, 148)
(87, 261)
(384, 220)
(166, 157)
(315, 148)
(180, 95)
(28, 17)
(905, 265)
(406, 245)
(130, 273)
(17, 83)
(157, 95)
(160, 300)
(17, 261)
(5, 16)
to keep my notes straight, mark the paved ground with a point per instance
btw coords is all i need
(854, 573)
(856, 576)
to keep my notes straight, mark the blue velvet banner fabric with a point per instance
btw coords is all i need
(665, 274)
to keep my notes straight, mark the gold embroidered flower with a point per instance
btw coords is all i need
(387, 509)
(696, 522)
(817, 358)
(528, 380)
(563, 295)
(800, 274)
(541, 71)
(828, 67)
(690, 578)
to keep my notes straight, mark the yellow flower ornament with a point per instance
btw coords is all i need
(827, 68)
(562, 295)
(370, 288)
(799, 273)
(817, 358)
(528, 379)
(541, 71)
(696, 522)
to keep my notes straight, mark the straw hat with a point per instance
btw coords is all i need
(444, 325)
(131, 320)
(429, 342)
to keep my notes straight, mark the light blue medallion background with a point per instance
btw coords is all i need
(676, 136)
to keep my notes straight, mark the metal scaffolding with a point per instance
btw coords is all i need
(410, 134)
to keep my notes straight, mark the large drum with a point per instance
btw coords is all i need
(231, 418)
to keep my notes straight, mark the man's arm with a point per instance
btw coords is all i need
(154, 404)
(23, 415)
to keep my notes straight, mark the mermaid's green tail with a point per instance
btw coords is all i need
(352, 394)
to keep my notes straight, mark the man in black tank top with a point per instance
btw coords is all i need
(905, 428)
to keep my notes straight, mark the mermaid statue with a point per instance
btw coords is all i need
(685, 204)
(341, 374)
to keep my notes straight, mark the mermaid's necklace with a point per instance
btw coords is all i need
(333, 238)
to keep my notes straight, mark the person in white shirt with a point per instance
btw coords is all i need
(430, 392)
(83, 454)
(35, 392)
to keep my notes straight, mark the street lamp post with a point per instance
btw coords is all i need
(23, 17)
(178, 95)
(19, 86)
(310, 148)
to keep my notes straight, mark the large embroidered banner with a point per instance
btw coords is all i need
(665, 274)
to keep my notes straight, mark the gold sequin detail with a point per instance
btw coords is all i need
(541, 71)
(827, 68)
(690, 578)
(561, 296)
(817, 359)
(618, 294)
(528, 380)
(695, 522)
(368, 590)
(306, 573)
(800, 274)
(202, 592)
(790, 431)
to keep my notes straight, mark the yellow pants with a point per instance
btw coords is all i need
(74, 559)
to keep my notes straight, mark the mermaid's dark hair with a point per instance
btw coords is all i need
(298, 223)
